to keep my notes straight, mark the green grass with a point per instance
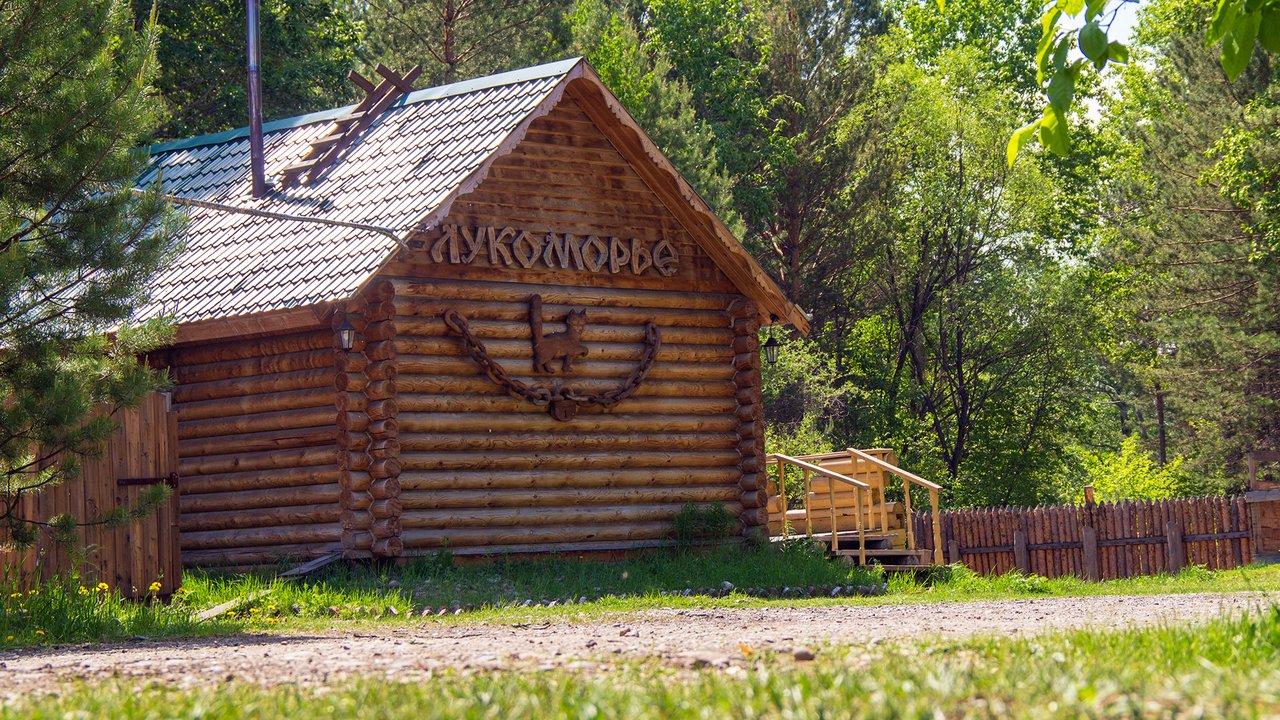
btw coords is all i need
(346, 594)
(1228, 668)
(64, 611)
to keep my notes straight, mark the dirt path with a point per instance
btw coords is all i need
(681, 637)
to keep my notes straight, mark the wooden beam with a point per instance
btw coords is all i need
(267, 323)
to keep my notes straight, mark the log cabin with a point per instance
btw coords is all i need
(489, 316)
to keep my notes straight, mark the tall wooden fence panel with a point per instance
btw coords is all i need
(141, 451)
(1104, 541)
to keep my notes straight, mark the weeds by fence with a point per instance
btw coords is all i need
(1101, 542)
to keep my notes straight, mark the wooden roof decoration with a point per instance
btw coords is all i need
(413, 155)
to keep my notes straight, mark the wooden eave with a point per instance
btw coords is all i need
(309, 317)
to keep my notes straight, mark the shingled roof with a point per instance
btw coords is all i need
(400, 177)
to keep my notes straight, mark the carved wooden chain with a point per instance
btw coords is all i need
(560, 400)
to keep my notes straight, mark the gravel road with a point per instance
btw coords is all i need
(679, 637)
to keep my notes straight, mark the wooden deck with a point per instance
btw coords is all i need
(849, 502)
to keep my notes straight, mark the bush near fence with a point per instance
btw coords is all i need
(1097, 541)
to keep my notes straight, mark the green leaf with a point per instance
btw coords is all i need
(1237, 46)
(1060, 56)
(1093, 43)
(1049, 21)
(1042, 55)
(1094, 8)
(1062, 90)
(1117, 52)
(942, 5)
(1269, 28)
(1020, 138)
(1074, 7)
(1053, 131)
(1223, 17)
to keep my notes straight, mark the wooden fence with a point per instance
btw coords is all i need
(1099, 542)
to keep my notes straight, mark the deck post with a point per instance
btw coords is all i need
(782, 498)
(831, 501)
(808, 493)
(862, 535)
(937, 527)
(906, 514)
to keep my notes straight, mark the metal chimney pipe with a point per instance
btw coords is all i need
(257, 162)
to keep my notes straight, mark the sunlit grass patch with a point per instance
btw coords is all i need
(1226, 668)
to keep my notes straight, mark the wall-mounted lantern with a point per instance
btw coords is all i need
(346, 334)
(771, 349)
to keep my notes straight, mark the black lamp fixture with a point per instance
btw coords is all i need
(346, 334)
(771, 349)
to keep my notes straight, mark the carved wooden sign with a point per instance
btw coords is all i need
(512, 247)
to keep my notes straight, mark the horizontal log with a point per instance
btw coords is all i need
(566, 460)
(276, 516)
(253, 442)
(284, 535)
(266, 498)
(350, 382)
(388, 547)
(381, 370)
(489, 330)
(435, 365)
(381, 449)
(380, 351)
(253, 367)
(382, 409)
(380, 330)
(570, 439)
(599, 422)
(255, 385)
(356, 543)
(408, 308)
(501, 403)
(355, 480)
(355, 501)
(532, 517)
(478, 384)
(385, 527)
(383, 429)
(355, 520)
(384, 468)
(352, 421)
(386, 507)
(380, 389)
(353, 441)
(379, 290)
(350, 362)
(254, 404)
(261, 347)
(561, 295)
(515, 351)
(194, 485)
(385, 488)
(269, 460)
(476, 536)
(565, 497)
(250, 557)
(542, 479)
(350, 402)
(353, 460)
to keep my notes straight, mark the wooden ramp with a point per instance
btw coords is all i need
(849, 502)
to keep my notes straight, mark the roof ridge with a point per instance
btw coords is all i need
(438, 92)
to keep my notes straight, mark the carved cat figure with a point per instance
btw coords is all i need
(564, 346)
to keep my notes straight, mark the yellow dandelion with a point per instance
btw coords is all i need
(103, 587)
(9, 639)
(154, 587)
(84, 590)
(39, 633)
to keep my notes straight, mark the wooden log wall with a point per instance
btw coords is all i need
(257, 442)
(483, 471)
(750, 413)
(368, 439)
(1105, 541)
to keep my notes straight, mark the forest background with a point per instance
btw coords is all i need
(1110, 317)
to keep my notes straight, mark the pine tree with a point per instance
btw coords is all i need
(76, 243)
